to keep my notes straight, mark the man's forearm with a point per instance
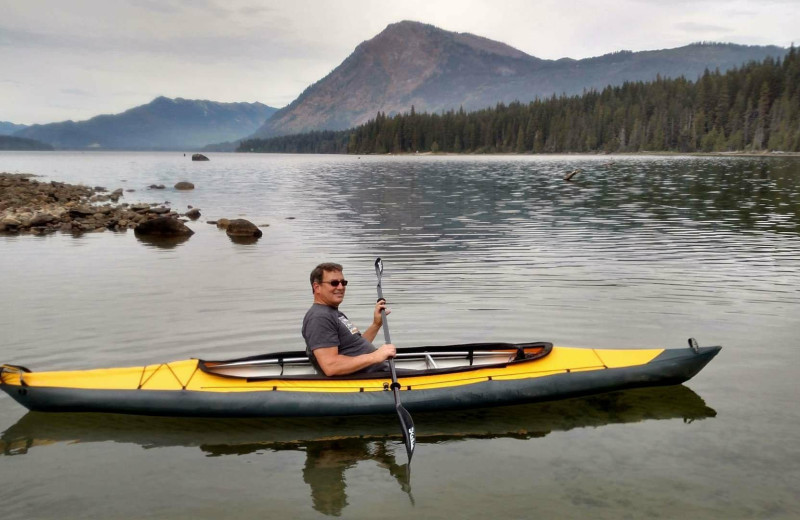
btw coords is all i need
(371, 332)
(342, 365)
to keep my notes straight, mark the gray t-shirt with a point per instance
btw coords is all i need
(324, 326)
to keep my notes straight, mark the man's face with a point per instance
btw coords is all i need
(326, 293)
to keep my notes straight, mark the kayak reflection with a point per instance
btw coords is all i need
(333, 445)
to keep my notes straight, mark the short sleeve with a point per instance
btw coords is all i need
(320, 331)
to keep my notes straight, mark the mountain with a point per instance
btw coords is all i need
(414, 64)
(163, 124)
(8, 142)
(7, 128)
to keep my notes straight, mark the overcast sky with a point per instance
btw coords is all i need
(74, 59)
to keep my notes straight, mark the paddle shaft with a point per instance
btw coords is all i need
(406, 422)
(387, 337)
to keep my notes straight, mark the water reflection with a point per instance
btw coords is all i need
(326, 464)
(243, 240)
(332, 446)
(162, 242)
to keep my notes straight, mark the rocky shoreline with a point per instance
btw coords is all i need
(30, 206)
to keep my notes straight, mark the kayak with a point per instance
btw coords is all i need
(286, 384)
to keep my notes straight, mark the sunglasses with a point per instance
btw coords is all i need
(335, 283)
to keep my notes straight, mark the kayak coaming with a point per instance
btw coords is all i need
(182, 389)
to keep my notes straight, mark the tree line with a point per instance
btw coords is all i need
(752, 108)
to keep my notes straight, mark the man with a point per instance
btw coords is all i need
(336, 345)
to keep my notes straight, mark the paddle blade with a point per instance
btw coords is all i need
(407, 427)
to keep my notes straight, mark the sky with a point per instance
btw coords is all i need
(76, 59)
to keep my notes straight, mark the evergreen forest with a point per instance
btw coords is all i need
(752, 108)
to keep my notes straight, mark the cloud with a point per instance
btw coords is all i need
(255, 10)
(155, 6)
(695, 27)
(75, 92)
(200, 47)
(182, 7)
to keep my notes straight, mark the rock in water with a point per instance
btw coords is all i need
(41, 219)
(81, 211)
(193, 213)
(243, 228)
(183, 185)
(199, 157)
(163, 227)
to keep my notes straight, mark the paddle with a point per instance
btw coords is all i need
(406, 423)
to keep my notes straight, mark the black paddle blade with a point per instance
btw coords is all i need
(407, 427)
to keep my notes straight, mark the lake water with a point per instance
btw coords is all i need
(635, 252)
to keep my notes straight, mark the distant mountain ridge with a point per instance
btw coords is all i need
(7, 128)
(162, 124)
(414, 64)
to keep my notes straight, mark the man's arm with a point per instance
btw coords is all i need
(335, 364)
(377, 321)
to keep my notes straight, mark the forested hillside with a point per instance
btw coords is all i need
(8, 142)
(752, 108)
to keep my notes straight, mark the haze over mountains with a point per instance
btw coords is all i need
(408, 64)
(411, 63)
(163, 124)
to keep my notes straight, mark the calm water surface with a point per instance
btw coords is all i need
(636, 252)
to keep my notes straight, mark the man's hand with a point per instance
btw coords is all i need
(385, 351)
(377, 319)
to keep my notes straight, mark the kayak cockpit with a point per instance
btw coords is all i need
(423, 360)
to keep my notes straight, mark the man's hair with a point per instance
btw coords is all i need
(316, 274)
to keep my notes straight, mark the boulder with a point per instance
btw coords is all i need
(163, 227)
(183, 185)
(42, 219)
(81, 211)
(193, 213)
(156, 187)
(223, 223)
(199, 157)
(243, 228)
(10, 223)
(159, 211)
